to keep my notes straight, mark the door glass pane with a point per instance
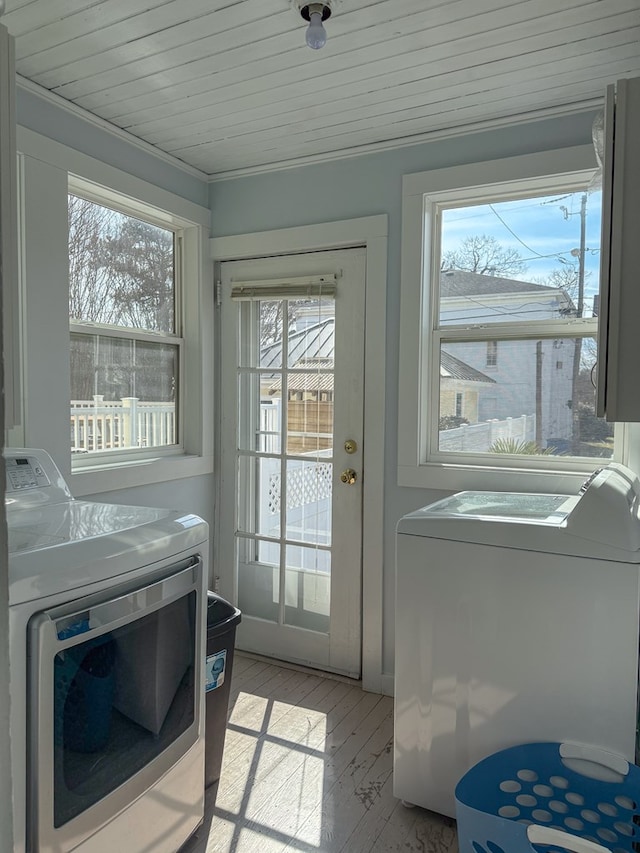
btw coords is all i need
(311, 331)
(270, 496)
(285, 384)
(308, 588)
(310, 408)
(531, 397)
(259, 413)
(260, 507)
(119, 700)
(273, 316)
(258, 578)
(309, 501)
(270, 428)
(305, 326)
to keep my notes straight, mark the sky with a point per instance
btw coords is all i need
(544, 230)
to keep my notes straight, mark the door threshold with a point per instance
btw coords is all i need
(309, 670)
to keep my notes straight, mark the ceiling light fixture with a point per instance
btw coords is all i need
(315, 13)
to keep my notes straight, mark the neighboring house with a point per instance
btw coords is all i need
(309, 405)
(474, 297)
(530, 377)
(312, 341)
(460, 388)
(309, 392)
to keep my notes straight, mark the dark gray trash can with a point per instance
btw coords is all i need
(222, 619)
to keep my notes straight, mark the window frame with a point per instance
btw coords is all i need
(423, 194)
(459, 408)
(112, 200)
(44, 188)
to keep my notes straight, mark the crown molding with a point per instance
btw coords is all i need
(312, 159)
(415, 139)
(107, 127)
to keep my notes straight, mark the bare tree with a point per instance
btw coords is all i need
(139, 261)
(121, 273)
(485, 255)
(567, 277)
(271, 322)
(89, 287)
(120, 269)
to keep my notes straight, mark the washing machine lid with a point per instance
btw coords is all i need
(506, 506)
(64, 547)
(602, 521)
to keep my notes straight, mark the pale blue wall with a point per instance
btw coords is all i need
(365, 186)
(42, 116)
(370, 184)
(353, 187)
(194, 494)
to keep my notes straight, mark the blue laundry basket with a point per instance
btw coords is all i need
(546, 797)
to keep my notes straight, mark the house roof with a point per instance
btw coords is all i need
(312, 342)
(316, 381)
(452, 368)
(455, 283)
(312, 349)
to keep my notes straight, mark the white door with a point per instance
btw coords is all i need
(292, 364)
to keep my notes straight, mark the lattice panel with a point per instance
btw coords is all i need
(304, 486)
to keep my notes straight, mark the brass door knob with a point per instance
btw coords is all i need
(349, 476)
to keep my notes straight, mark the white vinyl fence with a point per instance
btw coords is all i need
(478, 438)
(100, 424)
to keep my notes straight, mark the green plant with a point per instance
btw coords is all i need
(451, 422)
(513, 445)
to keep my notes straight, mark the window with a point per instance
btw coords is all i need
(502, 256)
(124, 316)
(53, 172)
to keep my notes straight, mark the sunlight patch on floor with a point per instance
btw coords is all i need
(285, 744)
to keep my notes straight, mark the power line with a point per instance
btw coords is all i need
(522, 243)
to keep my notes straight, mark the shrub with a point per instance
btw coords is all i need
(526, 448)
(451, 422)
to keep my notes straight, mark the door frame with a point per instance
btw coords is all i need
(336, 646)
(369, 232)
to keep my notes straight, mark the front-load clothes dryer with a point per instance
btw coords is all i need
(516, 621)
(107, 614)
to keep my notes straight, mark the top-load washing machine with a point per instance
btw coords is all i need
(107, 613)
(516, 621)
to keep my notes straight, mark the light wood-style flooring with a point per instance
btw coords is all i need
(308, 767)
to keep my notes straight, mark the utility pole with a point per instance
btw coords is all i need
(539, 436)
(577, 351)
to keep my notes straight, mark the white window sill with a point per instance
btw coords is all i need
(111, 476)
(459, 477)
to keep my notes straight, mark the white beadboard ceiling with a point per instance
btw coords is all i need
(229, 86)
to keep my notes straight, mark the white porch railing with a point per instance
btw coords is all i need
(100, 424)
